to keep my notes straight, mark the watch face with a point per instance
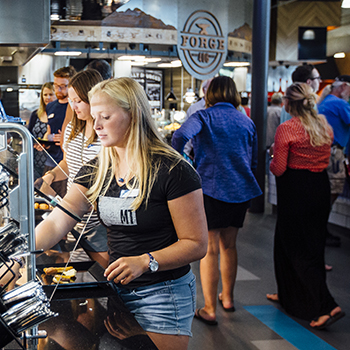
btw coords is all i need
(153, 266)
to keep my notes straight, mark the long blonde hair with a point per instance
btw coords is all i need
(42, 105)
(144, 144)
(301, 102)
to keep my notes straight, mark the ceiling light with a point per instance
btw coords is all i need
(152, 59)
(236, 64)
(309, 34)
(176, 63)
(172, 64)
(171, 96)
(138, 63)
(339, 55)
(164, 65)
(345, 4)
(68, 53)
(190, 96)
(131, 58)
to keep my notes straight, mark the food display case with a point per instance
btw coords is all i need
(25, 306)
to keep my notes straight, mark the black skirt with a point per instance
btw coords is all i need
(303, 205)
(222, 214)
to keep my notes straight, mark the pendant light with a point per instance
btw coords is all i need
(171, 96)
(345, 4)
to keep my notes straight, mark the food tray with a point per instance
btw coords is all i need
(89, 282)
(46, 142)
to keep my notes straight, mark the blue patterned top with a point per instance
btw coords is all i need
(225, 148)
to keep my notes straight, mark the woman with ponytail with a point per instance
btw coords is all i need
(301, 154)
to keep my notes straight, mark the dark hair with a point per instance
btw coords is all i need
(82, 83)
(244, 101)
(303, 73)
(222, 89)
(65, 72)
(102, 66)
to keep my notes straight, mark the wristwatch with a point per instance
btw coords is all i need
(153, 263)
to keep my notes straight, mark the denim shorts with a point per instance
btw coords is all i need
(166, 307)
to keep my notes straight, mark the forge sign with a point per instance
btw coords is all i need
(202, 46)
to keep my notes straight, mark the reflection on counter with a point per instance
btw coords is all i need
(91, 315)
(93, 324)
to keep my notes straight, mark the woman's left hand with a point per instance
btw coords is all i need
(126, 269)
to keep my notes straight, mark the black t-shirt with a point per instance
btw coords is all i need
(150, 227)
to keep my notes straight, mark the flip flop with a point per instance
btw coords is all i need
(202, 319)
(331, 320)
(226, 309)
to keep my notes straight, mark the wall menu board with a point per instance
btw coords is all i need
(152, 82)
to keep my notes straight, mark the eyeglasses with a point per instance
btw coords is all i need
(319, 77)
(60, 87)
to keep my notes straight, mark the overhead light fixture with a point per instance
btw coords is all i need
(131, 58)
(345, 4)
(138, 63)
(171, 96)
(164, 65)
(176, 63)
(339, 55)
(190, 96)
(309, 34)
(172, 64)
(152, 59)
(68, 53)
(236, 64)
(55, 17)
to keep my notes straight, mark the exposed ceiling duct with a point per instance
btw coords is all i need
(24, 30)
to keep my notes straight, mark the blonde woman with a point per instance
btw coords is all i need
(151, 202)
(38, 127)
(301, 155)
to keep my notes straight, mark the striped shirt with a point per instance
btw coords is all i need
(293, 149)
(77, 154)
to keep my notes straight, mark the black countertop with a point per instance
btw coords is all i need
(91, 315)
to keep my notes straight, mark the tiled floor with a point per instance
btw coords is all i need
(242, 330)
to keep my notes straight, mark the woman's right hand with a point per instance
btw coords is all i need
(44, 184)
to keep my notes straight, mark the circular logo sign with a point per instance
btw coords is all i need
(201, 45)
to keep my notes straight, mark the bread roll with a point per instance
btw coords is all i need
(43, 206)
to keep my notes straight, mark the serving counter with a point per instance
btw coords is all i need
(83, 314)
(91, 315)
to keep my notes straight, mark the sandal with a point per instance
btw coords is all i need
(226, 309)
(332, 319)
(198, 316)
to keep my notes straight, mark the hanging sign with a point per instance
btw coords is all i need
(202, 46)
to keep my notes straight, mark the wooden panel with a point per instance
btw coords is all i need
(302, 14)
(113, 34)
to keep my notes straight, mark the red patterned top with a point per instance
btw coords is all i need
(293, 149)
